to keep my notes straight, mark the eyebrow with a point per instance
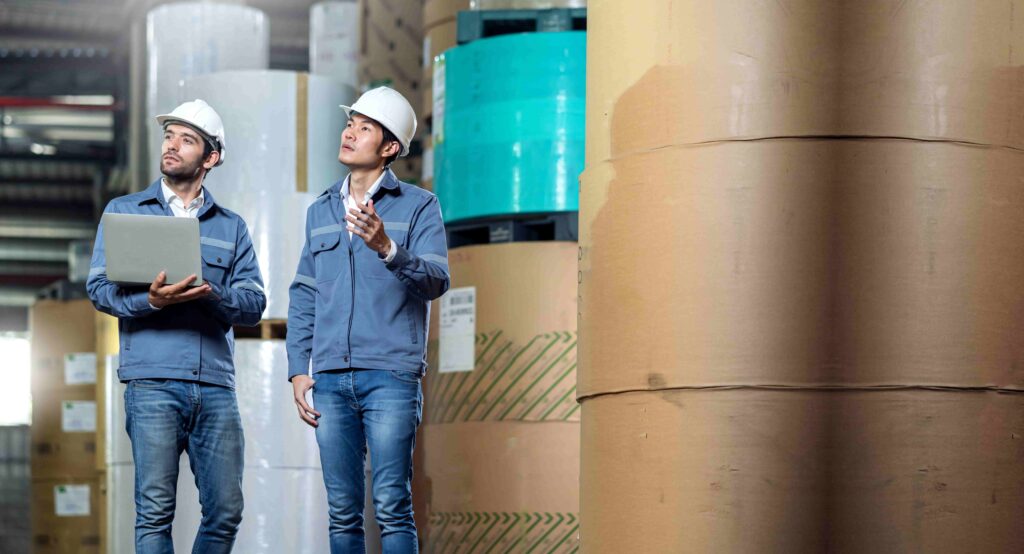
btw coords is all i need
(189, 134)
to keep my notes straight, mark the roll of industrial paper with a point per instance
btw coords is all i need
(283, 134)
(185, 39)
(508, 125)
(334, 41)
(285, 500)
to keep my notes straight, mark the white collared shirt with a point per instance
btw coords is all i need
(178, 207)
(350, 204)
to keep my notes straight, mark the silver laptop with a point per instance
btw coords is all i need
(138, 247)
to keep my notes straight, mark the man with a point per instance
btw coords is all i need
(177, 343)
(375, 256)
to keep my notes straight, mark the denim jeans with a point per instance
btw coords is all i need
(379, 409)
(164, 418)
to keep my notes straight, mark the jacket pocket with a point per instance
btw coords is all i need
(216, 264)
(327, 255)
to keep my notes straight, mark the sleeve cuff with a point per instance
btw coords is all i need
(298, 367)
(391, 253)
(400, 259)
(140, 304)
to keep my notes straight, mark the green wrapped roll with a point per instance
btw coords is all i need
(509, 125)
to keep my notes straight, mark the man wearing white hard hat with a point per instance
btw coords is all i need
(374, 258)
(176, 342)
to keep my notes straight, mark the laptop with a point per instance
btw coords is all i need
(138, 247)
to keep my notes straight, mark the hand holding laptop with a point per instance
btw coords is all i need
(162, 294)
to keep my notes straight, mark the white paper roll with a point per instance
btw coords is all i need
(262, 177)
(121, 508)
(334, 41)
(285, 511)
(194, 38)
(285, 500)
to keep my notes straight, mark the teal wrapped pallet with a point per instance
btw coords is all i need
(509, 125)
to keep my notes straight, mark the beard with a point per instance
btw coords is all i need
(183, 171)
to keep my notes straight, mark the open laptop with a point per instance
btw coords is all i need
(138, 247)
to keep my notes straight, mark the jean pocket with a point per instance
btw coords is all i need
(411, 377)
(149, 383)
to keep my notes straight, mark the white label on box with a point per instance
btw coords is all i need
(80, 368)
(78, 416)
(71, 500)
(458, 330)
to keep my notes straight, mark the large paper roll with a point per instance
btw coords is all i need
(508, 129)
(334, 41)
(284, 132)
(185, 39)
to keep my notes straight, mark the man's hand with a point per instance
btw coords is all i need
(365, 223)
(162, 295)
(301, 384)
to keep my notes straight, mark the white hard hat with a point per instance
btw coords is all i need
(201, 117)
(389, 108)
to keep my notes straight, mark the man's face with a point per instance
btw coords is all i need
(361, 143)
(182, 153)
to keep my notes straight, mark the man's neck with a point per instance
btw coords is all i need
(360, 181)
(187, 190)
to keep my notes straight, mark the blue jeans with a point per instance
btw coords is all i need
(379, 409)
(164, 418)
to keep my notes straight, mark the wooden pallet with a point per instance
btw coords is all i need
(478, 24)
(266, 329)
(514, 228)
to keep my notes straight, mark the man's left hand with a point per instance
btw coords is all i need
(365, 223)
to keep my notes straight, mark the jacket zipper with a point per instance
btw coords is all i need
(352, 305)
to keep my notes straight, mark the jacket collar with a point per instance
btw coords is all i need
(389, 183)
(154, 193)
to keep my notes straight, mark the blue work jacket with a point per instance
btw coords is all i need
(348, 309)
(190, 341)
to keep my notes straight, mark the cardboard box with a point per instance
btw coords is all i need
(409, 169)
(747, 70)
(801, 263)
(436, 12)
(801, 471)
(65, 516)
(64, 433)
(391, 43)
(59, 329)
(521, 347)
(504, 486)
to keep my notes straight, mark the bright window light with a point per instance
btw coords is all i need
(16, 393)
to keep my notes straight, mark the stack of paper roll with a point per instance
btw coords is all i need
(281, 474)
(500, 439)
(800, 277)
(185, 39)
(284, 133)
(285, 501)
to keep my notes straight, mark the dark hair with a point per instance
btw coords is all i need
(389, 137)
(207, 150)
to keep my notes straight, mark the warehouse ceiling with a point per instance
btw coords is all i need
(64, 91)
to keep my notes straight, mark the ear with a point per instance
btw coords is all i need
(211, 160)
(393, 147)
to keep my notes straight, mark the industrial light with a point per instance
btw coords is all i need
(43, 149)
